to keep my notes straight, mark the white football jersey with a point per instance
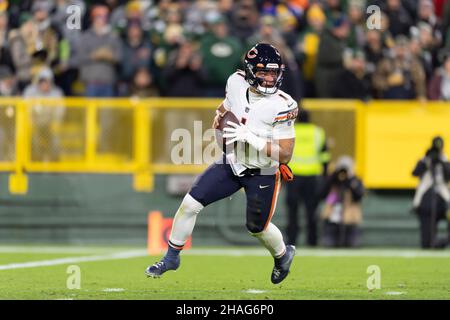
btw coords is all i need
(271, 117)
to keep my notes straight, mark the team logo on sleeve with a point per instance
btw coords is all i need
(286, 115)
(292, 114)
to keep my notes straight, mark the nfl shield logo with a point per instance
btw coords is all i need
(247, 109)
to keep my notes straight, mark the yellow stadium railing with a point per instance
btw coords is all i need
(133, 136)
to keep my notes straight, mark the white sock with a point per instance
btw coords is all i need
(272, 239)
(184, 221)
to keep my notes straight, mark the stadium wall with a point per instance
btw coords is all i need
(104, 209)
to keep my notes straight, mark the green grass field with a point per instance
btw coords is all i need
(33, 272)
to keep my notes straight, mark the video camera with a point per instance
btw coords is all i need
(340, 175)
(434, 153)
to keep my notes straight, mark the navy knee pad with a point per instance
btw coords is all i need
(256, 219)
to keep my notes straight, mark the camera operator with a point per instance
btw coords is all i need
(342, 213)
(432, 195)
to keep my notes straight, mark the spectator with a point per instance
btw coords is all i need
(15, 11)
(439, 87)
(429, 44)
(432, 195)
(285, 10)
(356, 15)
(426, 14)
(137, 52)
(5, 54)
(289, 31)
(184, 72)
(330, 65)
(333, 10)
(446, 24)
(399, 18)
(309, 163)
(400, 75)
(157, 15)
(411, 7)
(100, 50)
(59, 16)
(46, 120)
(422, 46)
(244, 20)
(43, 86)
(8, 85)
(386, 35)
(373, 50)
(122, 13)
(221, 53)
(173, 16)
(308, 46)
(342, 212)
(173, 37)
(143, 85)
(22, 43)
(194, 22)
(353, 82)
(66, 70)
(288, 15)
(266, 33)
(225, 8)
(8, 88)
(166, 40)
(47, 43)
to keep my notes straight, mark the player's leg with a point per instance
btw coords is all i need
(217, 182)
(262, 195)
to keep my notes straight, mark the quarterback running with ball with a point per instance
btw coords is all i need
(264, 140)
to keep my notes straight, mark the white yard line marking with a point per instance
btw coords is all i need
(62, 249)
(113, 290)
(254, 291)
(70, 260)
(394, 293)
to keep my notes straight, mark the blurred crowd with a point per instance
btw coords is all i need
(147, 48)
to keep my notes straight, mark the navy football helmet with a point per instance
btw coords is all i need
(263, 57)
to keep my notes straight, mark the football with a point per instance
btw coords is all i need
(221, 141)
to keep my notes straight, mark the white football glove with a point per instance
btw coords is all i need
(240, 132)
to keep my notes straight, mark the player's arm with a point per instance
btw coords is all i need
(282, 145)
(283, 135)
(280, 150)
(224, 106)
(220, 112)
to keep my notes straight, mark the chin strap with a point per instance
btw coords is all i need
(264, 91)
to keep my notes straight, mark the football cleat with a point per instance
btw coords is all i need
(156, 270)
(282, 265)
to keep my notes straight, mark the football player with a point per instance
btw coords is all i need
(264, 140)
